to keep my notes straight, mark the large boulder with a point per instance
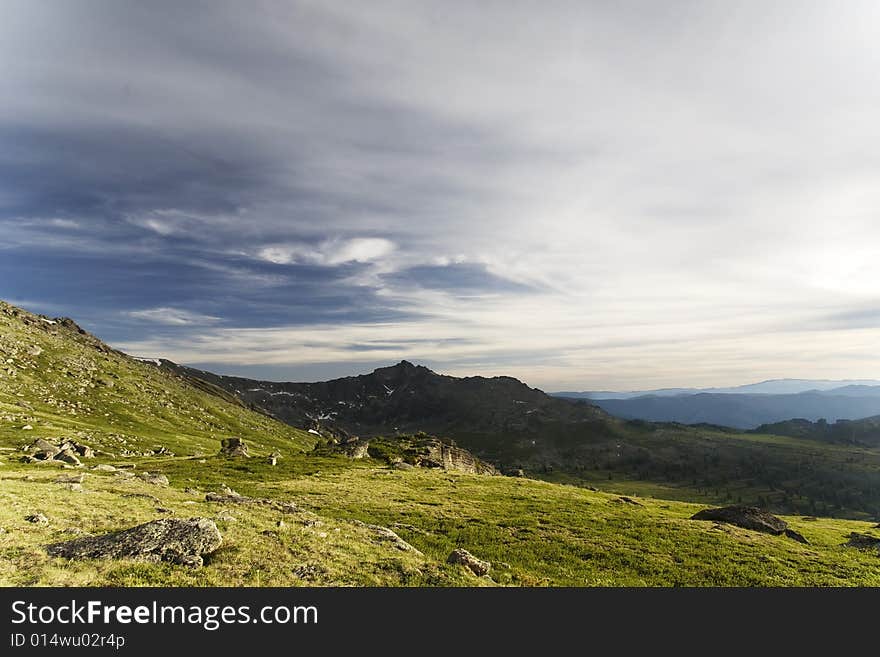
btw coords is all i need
(170, 539)
(43, 450)
(863, 541)
(233, 447)
(355, 448)
(477, 566)
(747, 517)
(68, 456)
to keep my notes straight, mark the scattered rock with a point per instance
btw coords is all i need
(796, 536)
(385, 535)
(235, 498)
(227, 517)
(747, 517)
(154, 478)
(162, 509)
(516, 472)
(273, 460)
(403, 465)
(178, 541)
(809, 518)
(103, 467)
(70, 479)
(593, 488)
(280, 524)
(27, 427)
(863, 541)
(233, 447)
(628, 500)
(37, 519)
(477, 566)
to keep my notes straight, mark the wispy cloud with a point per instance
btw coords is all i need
(173, 317)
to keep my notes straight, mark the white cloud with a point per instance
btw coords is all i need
(329, 253)
(173, 316)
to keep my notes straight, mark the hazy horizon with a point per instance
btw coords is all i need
(581, 195)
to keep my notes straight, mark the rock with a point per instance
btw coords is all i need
(863, 541)
(43, 450)
(281, 524)
(403, 465)
(103, 467)
(233, 447)
(796, 536)
(235, 498)
(70, 479)
(37, 519)
(356, 449)
(154, 478)
(27, 427)
(747, 517)
(809, 518)
(477, 566)
(628, 500)
(516, 472)
(593, 488)
(273, 460)
(385, 535)
(169, 539)
(227, 517)
(84, 451)
(68, 456)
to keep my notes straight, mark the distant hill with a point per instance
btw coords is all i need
(771, 387)
(846, 432)
(747, 411)
(404, 398)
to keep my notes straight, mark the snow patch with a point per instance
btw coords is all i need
(314, 432)
(154, 361)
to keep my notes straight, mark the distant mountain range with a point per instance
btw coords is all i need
(747, 407)
(771, 387)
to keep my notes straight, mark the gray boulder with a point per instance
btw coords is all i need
(154, 478)
(43, 450)
(477, 566)
(171, 539)
(68, 456)
(37, 519)
(233, 447)
(747, 517)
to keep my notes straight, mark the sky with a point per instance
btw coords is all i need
(583, 195)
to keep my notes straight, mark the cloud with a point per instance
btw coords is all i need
(172, 317)
(329, 253)
(599, 194)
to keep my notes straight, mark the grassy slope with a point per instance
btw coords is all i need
(535, 532)
(65, 383)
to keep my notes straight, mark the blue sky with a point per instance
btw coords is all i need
(582, 195)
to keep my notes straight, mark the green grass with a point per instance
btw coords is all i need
(536, 533)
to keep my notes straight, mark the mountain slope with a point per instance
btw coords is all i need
(61, 381)
(512, 426)
(404, 398)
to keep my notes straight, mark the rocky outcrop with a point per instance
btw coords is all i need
(178, 541)
(863, 541)
(233, 447)
(750, 517)
(435, 453)
(477, 566)
(355, 448)
(66, 451)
